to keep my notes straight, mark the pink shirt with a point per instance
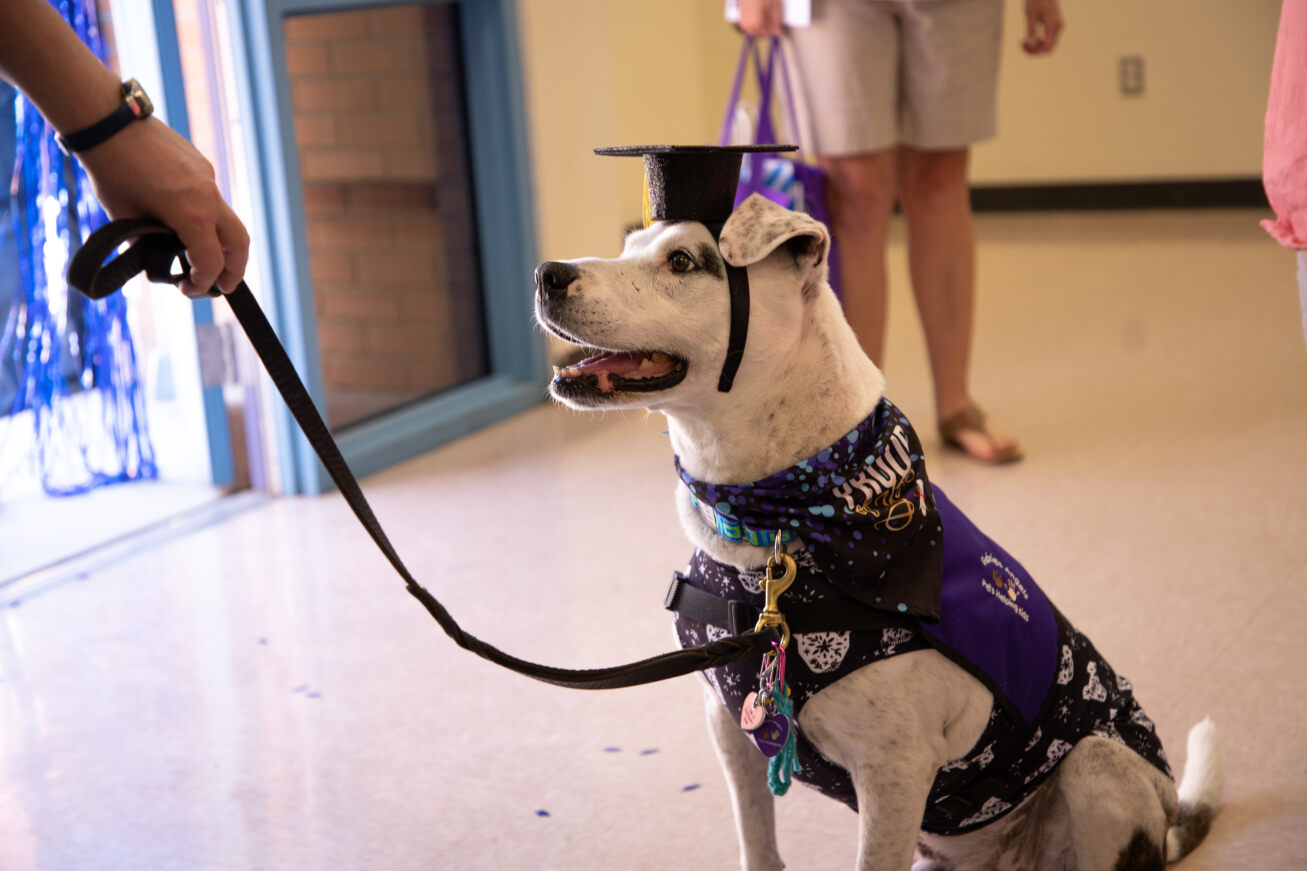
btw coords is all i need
(1284, 162)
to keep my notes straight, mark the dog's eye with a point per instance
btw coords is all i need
(680, 261)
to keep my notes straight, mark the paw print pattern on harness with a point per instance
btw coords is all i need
(822, 651)
(1067, 669)
(1094, 690)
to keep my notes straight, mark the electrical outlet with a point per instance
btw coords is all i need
(1132, 75)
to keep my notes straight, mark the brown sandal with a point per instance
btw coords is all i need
(973, 419)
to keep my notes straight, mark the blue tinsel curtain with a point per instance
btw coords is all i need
(69, 361)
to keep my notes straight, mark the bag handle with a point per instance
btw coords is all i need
(776, 67)
(778, 50)
(766, 131)
(748, 49)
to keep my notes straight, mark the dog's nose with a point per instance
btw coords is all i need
(553, 277)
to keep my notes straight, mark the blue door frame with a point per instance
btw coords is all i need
(501, 178)
(221, 463)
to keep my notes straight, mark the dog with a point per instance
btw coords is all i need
(899, 726)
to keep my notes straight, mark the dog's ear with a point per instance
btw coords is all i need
(759, 226)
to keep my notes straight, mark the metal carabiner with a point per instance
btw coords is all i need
(773, 586)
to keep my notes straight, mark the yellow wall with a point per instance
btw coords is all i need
(1207, 69)
(613, 72)
(621, 72)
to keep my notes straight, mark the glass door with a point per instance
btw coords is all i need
(393, 163)
(377, 101)
(65, 500)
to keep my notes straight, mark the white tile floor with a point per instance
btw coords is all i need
(263, 695)
(37, 530)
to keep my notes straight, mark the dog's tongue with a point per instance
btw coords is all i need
(624, 364)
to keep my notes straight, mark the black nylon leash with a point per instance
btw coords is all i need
(154, 247)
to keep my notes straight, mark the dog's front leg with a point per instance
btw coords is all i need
(751, 798)
(891, 725)
(891, 799)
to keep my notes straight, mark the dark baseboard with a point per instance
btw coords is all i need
(1176, 194)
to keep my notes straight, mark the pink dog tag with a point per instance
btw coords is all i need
(753, 713)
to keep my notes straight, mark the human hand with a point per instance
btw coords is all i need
(147, 170)
(1043, 26)
(760, 17)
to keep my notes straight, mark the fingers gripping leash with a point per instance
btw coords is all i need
(153, 249)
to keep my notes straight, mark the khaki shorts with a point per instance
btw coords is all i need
(872, 74)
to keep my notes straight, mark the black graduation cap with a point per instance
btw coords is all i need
(690, 182)
(698, 183)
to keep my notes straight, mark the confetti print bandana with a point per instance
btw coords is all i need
(863, 507)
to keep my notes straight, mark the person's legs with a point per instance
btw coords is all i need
(870, 78)
(942, 262)
(846, 89)
(860, 192)
(951, 51)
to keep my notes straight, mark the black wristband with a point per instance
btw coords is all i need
(136, 106)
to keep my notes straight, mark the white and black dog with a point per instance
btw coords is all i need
(949, 761)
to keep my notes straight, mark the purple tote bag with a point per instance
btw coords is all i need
(785, 181)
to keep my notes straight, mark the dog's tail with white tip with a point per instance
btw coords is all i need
(1199, 791)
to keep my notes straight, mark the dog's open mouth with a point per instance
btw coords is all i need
(620, 371)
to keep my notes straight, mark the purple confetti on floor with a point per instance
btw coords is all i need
(612, 749)
(651, 751)
(299, 689)
(542, 813)
(263, 641)
(315, 695)
(691, 788)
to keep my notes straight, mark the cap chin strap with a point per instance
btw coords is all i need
(737, 281)
(737, 277)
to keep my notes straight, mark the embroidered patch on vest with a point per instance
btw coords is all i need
(995, 618)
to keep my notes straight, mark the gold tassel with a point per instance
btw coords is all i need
(648, 209)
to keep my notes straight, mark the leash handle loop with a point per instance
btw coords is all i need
(153, 249)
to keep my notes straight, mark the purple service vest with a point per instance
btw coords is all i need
(1051, 687)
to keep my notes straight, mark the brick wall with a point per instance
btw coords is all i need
(390, 221)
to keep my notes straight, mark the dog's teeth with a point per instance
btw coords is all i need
(658, 357)
(557, 371)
